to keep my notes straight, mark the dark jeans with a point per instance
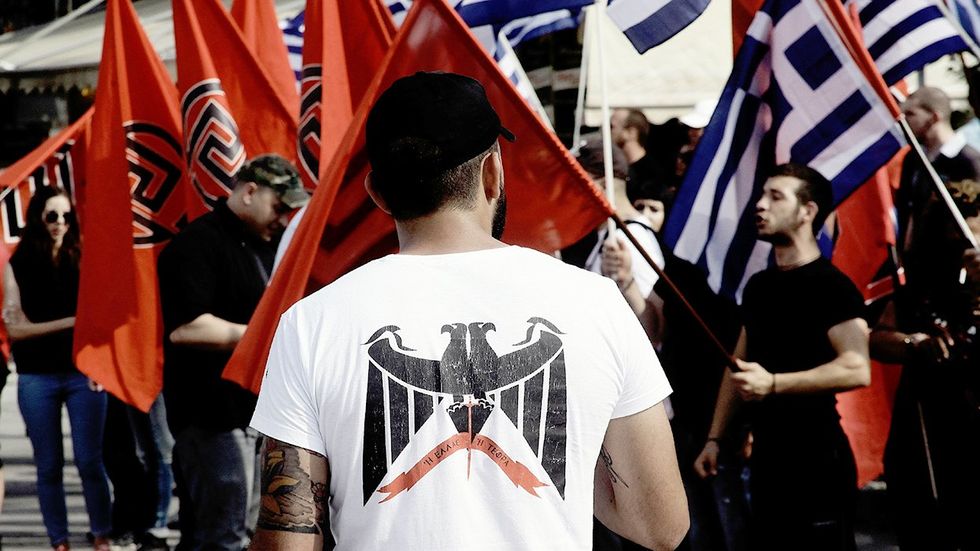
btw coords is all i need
(217, 484)
(804, 493)
(155, 448)
(41, 398)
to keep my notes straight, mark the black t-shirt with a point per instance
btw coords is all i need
(47, 292)
(213, 266)
(917, 187)
(786, 316)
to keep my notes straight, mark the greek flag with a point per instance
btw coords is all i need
(902, 36)
(794, 94)
(511, 66)
(292, 33)
(967, 14)
(500, 12)
(500, 37)
(648, 23)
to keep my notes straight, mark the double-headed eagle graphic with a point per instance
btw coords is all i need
(468, 384)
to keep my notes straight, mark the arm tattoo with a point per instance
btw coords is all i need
(292, 501)
(608, 462)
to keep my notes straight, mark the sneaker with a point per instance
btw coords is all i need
(63, 546)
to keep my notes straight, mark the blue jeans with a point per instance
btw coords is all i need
(41, 398)
(155, 445)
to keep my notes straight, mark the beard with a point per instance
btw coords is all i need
(499, 216)
(775, 238)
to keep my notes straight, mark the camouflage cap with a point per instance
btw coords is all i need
(275, 172)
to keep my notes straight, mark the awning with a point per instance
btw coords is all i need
(70, 56)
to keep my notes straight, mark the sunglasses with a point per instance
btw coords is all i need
(52, 216)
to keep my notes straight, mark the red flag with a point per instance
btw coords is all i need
(259, 25)
(552, 202)
(743, 11)
(137, 199)
(866, 238)
(229, 106)
(58, 161)
(343, 46)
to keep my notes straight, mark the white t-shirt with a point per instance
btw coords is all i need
(646, 277)
(460, 399)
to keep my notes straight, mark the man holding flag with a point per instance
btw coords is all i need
(804, 340)
(531, 389)
(212, 275)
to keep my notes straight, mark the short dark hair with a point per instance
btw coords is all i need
(636, 119)
(454, 188)
(813, 187)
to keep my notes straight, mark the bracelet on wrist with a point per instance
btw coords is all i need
(773, 389)
(628, 284)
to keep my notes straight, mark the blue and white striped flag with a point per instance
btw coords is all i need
(648, 23)
(501, 12)
(292, 33)
(967, 14)
(500, 37)
(903, 36)
(794, 94)
(511, 66)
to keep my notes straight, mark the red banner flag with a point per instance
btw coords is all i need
(866, 238)
(230, 108)
(58, 161)
(343, 46)
(136, 201)
(257, 21)
(551, 201)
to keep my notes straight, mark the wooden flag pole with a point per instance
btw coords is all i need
(722, 351)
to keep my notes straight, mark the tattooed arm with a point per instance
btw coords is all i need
(638, 490)
(295, 484)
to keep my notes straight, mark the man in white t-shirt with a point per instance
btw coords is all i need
(458, 394)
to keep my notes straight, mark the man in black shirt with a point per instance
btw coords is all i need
(927, 111)
(631, 131)
(804, 340)
(212, 276)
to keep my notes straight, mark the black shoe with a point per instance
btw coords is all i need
(150, 542)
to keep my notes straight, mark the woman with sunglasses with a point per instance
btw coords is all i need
(40, 296)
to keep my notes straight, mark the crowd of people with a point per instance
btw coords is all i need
(749, 447)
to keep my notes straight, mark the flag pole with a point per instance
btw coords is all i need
(614, 220)
(939, 185)
(583, 76)
(716, 343)
(600, 14)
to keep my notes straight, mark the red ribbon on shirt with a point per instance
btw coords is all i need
(519, 474)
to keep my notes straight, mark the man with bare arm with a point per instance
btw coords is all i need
(457, 394)
(803, 340)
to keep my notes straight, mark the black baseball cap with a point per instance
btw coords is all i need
(430, 122)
